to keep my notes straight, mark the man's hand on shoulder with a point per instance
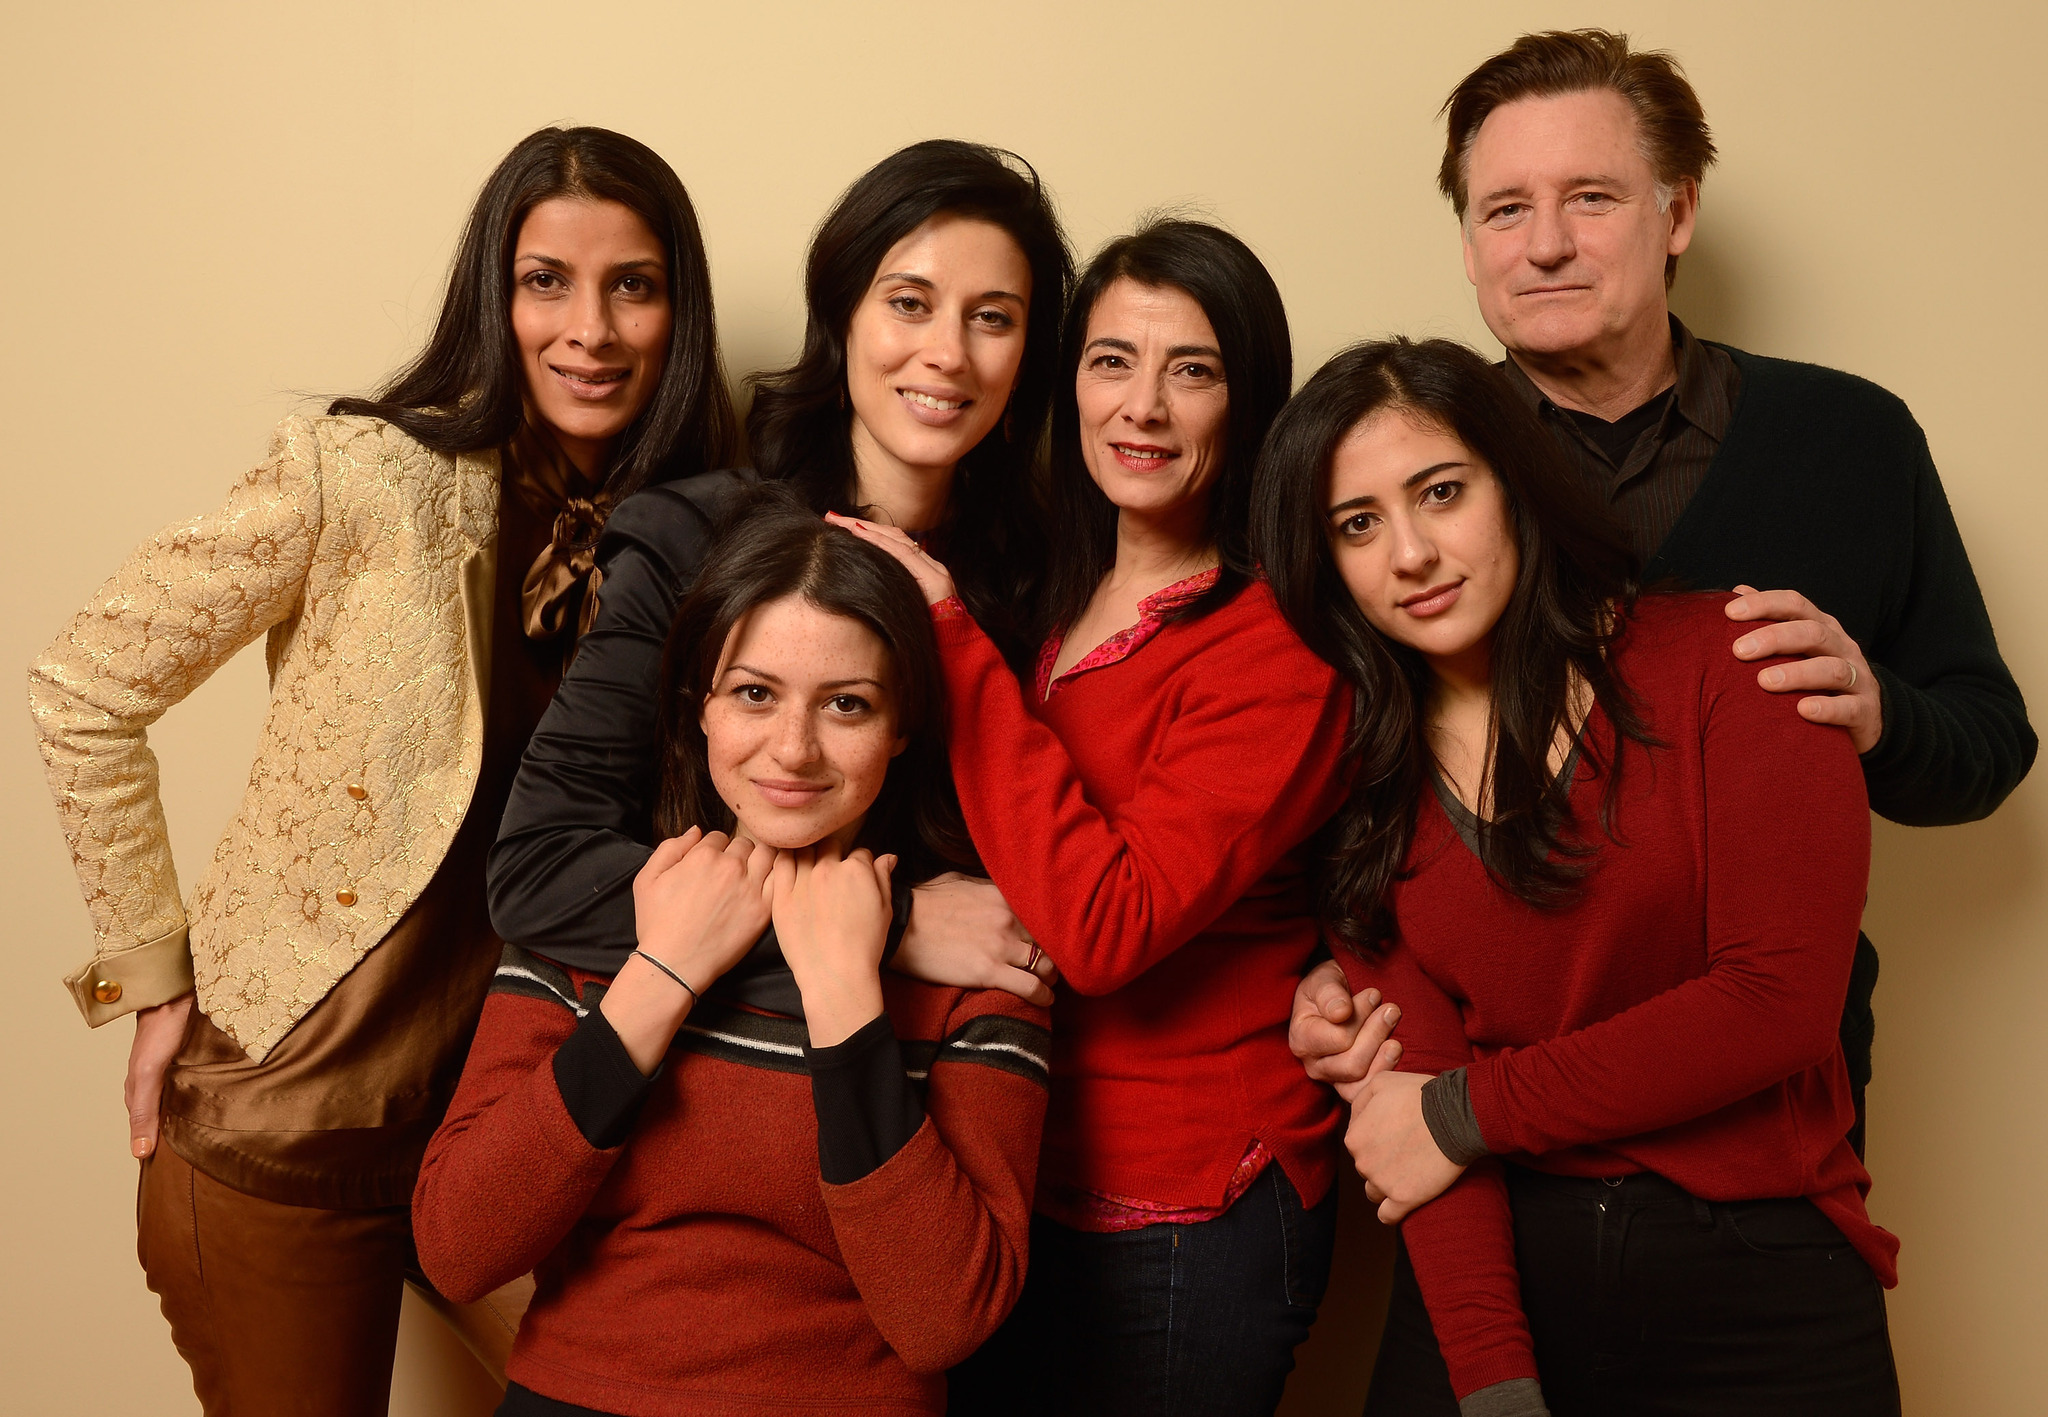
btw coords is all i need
(1831, 670)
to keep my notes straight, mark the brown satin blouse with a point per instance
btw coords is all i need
(338, 1114)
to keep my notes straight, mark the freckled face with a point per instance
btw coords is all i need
(592, 317)
(934, 346)
(800, 724)
(1420, 533)
(1153, 399)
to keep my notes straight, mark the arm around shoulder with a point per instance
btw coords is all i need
(577, 828)
(1956, 738)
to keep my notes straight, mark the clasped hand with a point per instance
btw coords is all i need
(701, 902)
(1345, 1039)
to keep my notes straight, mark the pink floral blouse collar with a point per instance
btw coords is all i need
(1152, 612)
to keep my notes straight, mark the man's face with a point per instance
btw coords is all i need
(1563, 238)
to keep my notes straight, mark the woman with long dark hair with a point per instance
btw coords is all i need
(933, 290)
(1614, 888)
(1140, 805)
(754, 1169)
(418, 561)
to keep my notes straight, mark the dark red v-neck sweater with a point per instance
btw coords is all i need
(1143, 823)
(1681, 1016)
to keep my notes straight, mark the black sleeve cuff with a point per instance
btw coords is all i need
(600, 1087)
(1447, 1112)
(867, 1109)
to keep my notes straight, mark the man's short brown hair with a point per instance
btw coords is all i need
(1672, 125)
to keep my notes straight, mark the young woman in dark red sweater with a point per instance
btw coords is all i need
(1613, 886)
(1140, 805)
(751, 1170)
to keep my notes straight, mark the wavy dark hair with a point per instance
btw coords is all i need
(1578, 581)
(772, 545)
(1220, 274)
(465, 392)
(799, 427)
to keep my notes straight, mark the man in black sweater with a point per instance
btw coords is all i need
(1575, 167)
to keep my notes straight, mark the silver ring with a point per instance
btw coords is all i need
(1852, 680)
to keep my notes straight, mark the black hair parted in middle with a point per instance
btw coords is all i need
(464, 391)
(1243, 305)
(771, 546)
(799, 428)
(1577, 582)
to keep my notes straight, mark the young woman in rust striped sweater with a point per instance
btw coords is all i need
(754, 1168)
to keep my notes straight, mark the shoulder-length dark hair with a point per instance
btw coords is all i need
(773, 546)
(1237, 293)
(465, 392)
(1577, 582)
(799, 427)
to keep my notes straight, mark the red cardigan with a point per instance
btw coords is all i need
(1143, 824)
(1682, 1015)
(703, 1267)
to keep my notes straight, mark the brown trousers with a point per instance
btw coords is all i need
(291, 1311)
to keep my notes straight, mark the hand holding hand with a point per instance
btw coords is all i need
(1832, 670)
(932, 578)
(1400, 1162)
(159, 1034)
(832, 916)
(962, 934)
(1339, 1036)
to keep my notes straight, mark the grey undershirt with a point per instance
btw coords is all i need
(1447, 1112)
(1517, 1397)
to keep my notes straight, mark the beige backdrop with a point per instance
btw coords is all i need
(215, 210)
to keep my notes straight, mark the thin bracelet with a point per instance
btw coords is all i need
(669, 972)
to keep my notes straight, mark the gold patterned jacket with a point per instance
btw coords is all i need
(369, 560)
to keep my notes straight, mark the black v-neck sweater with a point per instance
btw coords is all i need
(1824, 485)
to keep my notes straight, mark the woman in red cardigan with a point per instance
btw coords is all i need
(1614, 887)
(757, 1170)
(1140, 805)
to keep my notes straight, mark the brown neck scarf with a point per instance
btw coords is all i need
(560, 589)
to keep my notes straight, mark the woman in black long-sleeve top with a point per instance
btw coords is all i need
(934, 290)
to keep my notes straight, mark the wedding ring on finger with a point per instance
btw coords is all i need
(1852, 679)
(1031, 964)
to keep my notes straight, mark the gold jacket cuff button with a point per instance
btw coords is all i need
(107, 991)
(344, 897)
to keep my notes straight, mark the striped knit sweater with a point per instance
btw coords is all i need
(761, 1225)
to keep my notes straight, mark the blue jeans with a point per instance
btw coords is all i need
(1188, 1320)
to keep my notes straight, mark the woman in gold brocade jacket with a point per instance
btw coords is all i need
(420, 562)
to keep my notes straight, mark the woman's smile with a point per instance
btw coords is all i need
(592, 385)
(789, 793)
(1142, 457)
(935, 408)
(1434, 601)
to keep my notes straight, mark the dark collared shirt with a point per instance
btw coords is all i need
(1650, 461)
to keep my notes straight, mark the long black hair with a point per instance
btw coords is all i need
(465, 391)
(1243, 305)
(771, 545)
(800, 430)
(1577, 582)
